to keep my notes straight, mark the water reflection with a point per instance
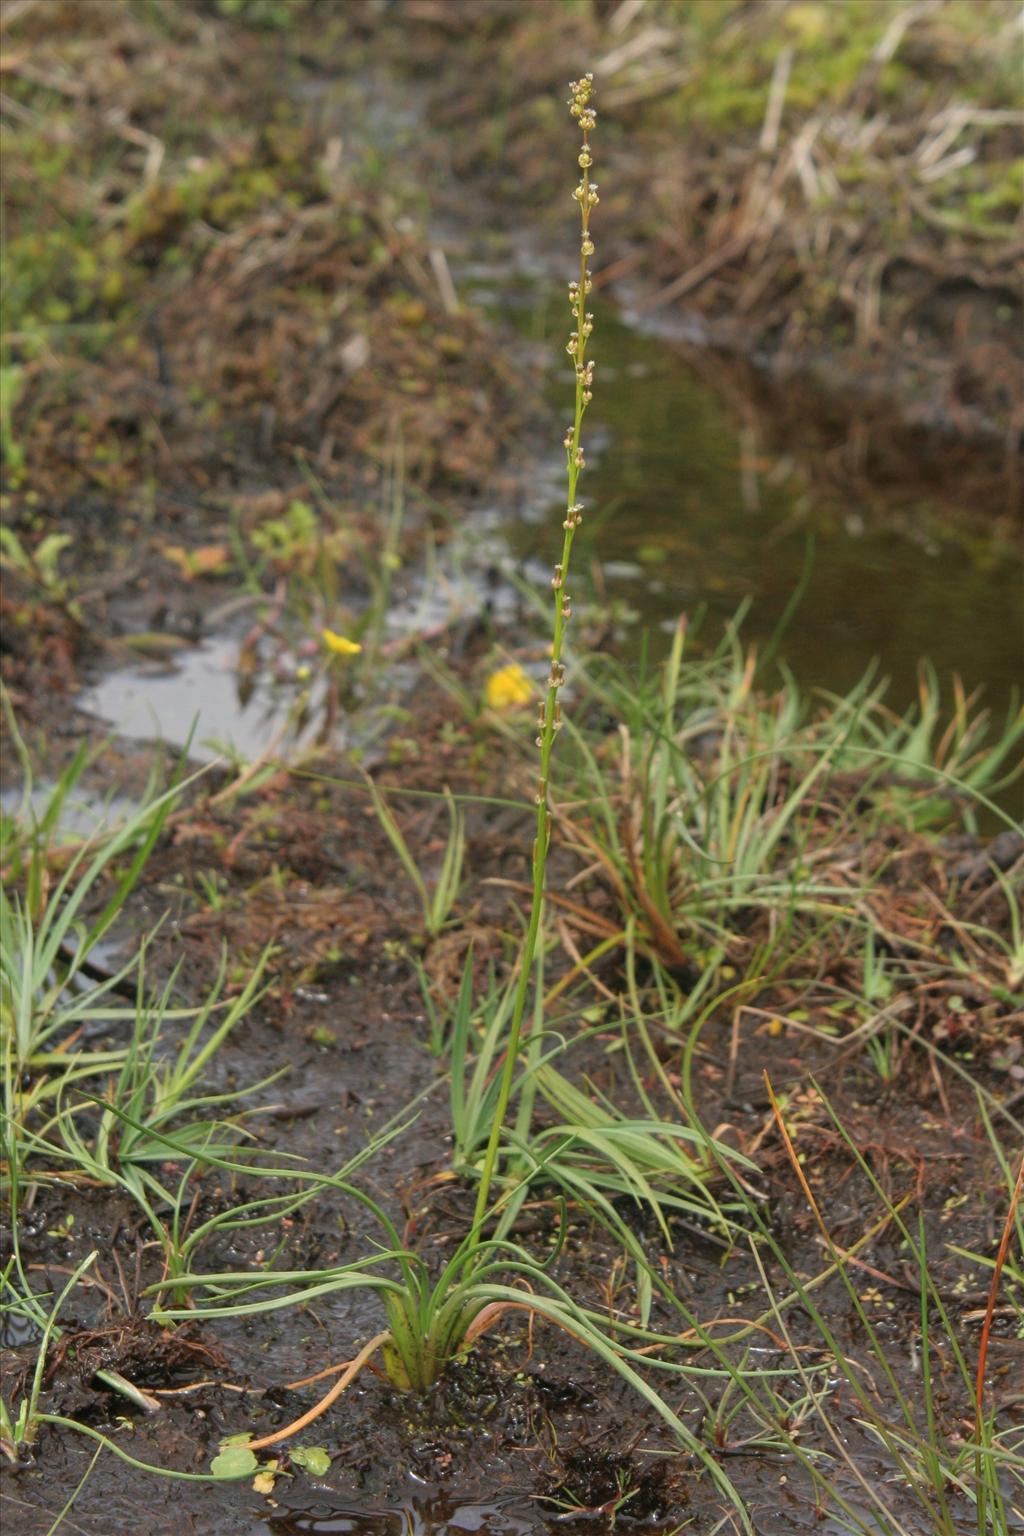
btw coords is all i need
(704, 496)
(201, 696)
(436, 1513)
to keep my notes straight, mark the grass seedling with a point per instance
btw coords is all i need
(717, 812)
(437, 903)
(27, 837)
(699, 812)
(19, 1424)
(40, 567)
(155, 1087)
(882, 1039)
(595, 1152)
(432, 1319)
(51, 992)
(937, 773)
(481, 1022)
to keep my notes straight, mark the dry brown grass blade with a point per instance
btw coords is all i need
(580, 840)
(581, 965)
(589, 922)
(839, 1255)
(986, 1327)
(666, 939)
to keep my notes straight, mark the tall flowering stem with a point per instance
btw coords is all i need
(550, 713)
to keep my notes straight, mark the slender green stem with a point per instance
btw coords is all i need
(550, 710)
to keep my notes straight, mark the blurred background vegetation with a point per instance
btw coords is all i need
(221, 244)
(812, 176)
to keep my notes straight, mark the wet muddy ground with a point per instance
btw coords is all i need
(530, 1427)
(210, 542)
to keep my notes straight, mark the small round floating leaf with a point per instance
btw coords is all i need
(234, 1461)
(314, 1458)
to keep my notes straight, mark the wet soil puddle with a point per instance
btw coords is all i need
(209, 698)
(688, 511)
(438, 1512)
(701, 495)
(432, 1513)
(200, 698)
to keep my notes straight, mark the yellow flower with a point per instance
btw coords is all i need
(508, 687)
(339, 644)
